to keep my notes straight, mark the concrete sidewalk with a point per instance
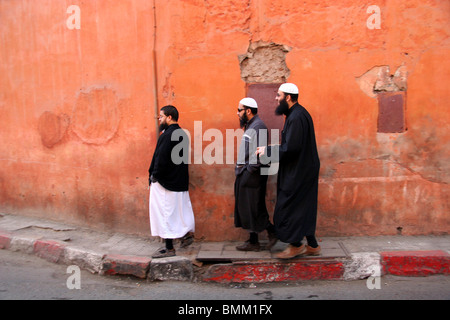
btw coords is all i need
(342, 258)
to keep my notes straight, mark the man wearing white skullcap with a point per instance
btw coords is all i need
(250, 211)
(289, 88)
(295, 212)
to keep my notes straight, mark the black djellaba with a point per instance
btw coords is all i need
(295, 212)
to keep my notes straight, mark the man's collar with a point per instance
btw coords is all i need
(251, 120)
(292, 108)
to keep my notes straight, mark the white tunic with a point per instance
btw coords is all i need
(171, 214)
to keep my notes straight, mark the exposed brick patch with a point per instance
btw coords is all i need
(379, 79)
(264, 62)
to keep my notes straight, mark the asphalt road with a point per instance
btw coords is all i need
(26, 277)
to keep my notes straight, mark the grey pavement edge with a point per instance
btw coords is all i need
(119, 253)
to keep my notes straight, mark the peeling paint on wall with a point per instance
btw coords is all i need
(379, 79)
(52, 128)
(96, 115)
(264, 63)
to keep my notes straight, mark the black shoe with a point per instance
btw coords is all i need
(164, 253)
(247, 246)
(187, 240)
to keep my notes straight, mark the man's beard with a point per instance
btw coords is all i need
(243, 121)
(282, 108)
(163, 126)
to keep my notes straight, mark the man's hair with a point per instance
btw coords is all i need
(294, 97)
(170, 110)
(253, 110)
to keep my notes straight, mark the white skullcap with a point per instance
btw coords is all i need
(249, 102)
(289, 88)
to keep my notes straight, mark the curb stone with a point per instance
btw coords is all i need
(5, 240)
(85, 259)
(275, 271)
(172, 268)
(49, 250)
(415, 263)
(125, 265)
(23, 244)
(362, 265)
(357, 266)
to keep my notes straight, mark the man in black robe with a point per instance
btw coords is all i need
(295, 212)
(250, 211)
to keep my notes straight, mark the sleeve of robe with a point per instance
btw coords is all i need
(257, 141)
(161, 157)
(294, 131)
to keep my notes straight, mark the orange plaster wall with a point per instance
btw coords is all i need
(77, 120)
(78, 128)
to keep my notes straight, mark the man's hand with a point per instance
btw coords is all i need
(260, 151)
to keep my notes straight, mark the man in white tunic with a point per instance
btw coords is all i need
(171, 214)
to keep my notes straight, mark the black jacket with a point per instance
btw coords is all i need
(170, 161)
